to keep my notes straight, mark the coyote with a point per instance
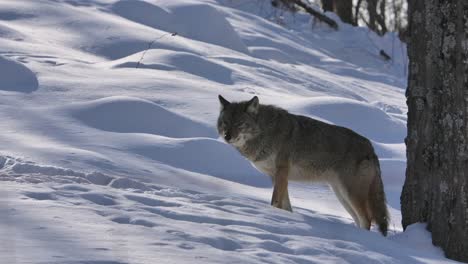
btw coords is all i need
(298, 148)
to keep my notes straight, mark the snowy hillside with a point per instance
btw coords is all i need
(109, 152)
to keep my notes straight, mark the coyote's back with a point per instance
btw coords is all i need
(293, 147)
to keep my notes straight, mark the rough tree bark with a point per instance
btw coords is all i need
(436, 185)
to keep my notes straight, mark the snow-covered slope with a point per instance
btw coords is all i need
(109, 153)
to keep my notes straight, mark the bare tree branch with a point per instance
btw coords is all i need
(356, 12)
(316, 14)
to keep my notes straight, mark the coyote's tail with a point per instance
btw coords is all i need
(377, 201)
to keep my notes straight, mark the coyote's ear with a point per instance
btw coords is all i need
(223, 102)
(252, 105)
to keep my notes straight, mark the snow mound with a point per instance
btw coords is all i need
(418, 237)
(40, 195)
(119, 48)
(133, 115)
(8, 14)
(206, 156)
(188, 20)
(10, 33)
(361, 117)
(16, 77)
(168, 60)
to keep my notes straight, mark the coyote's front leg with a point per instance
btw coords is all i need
(286, 204)
(280, 197)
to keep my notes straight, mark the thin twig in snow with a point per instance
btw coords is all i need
(151, 44)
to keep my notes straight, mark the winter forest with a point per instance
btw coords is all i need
(233, 131)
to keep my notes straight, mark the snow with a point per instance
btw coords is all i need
(349, 113)
(16, 77)
(133, 115)
(109, 151)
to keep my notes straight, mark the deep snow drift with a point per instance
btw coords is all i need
(109, 153)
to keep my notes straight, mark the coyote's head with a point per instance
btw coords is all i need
(237, 121)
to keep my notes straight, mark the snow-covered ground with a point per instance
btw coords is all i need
(108, 147)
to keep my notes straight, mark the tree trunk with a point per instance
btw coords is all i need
(436, 185)
(344, 9)
(356, 12)
(327, 5)
(381, 18)
(372, 11)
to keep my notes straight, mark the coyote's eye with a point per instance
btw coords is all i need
(241, 125)
(224, 125)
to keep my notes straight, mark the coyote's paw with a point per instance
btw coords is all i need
(280, 206)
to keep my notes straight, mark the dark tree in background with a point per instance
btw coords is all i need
(380, 16)
(343, 8)
(436, 186)
(375, 17)
(327, 5)
(376, 10)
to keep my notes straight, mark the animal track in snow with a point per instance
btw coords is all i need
(190, 220)
(150, 201)
(73, 187)
(129, 221)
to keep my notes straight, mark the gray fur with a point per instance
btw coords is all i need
(306, 149)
